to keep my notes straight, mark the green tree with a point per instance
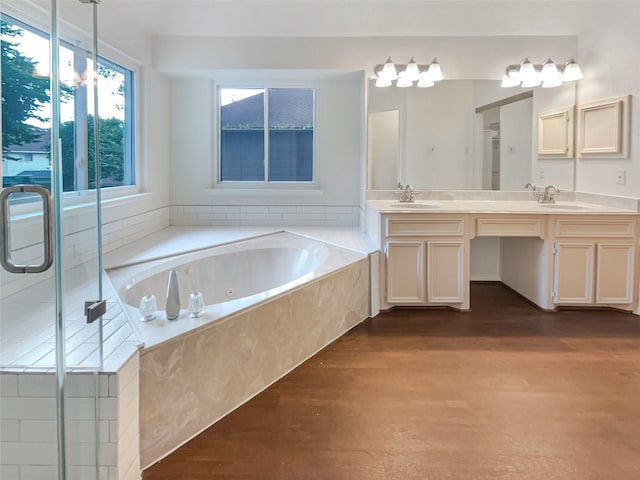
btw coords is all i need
(23, 94)
(111, 152)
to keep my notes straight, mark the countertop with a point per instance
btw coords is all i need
(497, 206)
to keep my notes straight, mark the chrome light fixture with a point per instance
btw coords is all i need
(548, 74)
(405, 75)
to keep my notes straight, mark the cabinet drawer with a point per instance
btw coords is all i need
(411, 227)
(509, 227)
(620, 228)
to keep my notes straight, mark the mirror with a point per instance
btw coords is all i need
(462, 135)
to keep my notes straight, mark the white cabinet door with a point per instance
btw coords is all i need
(614, 273)
(445, 263)
(573, 273)
(405, 272)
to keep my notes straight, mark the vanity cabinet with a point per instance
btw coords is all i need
(594, 262)
(425, 258)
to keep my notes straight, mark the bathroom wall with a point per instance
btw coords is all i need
(333, 200)
(610, 57)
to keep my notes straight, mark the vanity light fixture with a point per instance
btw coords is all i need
(548, 74)
(406, 75)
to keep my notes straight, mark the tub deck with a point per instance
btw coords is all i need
(27, 333)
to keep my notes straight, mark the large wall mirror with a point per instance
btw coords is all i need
(462, 135)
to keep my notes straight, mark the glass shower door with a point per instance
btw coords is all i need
(54, 403)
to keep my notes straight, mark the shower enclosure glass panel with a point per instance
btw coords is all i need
(51, 328)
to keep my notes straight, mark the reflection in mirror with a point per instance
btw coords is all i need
(445, 145)
(384, 149)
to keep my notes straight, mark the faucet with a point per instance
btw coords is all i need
(406, 192)
(549, 192)
(173, 296)
(531, 186)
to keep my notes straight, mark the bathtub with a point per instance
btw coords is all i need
(271, 303)
(232, 277)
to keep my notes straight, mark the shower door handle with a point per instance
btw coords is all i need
(5, 239)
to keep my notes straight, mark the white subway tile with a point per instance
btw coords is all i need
(113, 431)
(113, 385)
(108, 408)
(310, 209)
(197, 209)
(282, 209)
(86, 431)
(32, 385)
(9, 430)
(38, 472)
(253, 209)
(38, 431)
(79, 454)
(85, 472)
(8, 384)
(83, 384)
(11, 472)
(31, 453)
(28, 408)
(228, 209)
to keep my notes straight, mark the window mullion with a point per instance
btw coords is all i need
(81, 167)
(266, 135)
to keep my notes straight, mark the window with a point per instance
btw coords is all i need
(266, 134)
(26, 113)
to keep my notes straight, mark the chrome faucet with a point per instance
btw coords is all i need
(531, 186)
(406, 193)
(549, 192)
(173, 297)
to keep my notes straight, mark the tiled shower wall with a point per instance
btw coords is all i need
(28, 438)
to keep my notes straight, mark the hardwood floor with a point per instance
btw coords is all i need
(503, 392)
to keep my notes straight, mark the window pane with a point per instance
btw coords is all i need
(290, 134)
(114, 123)
(26, 112)
(241, 134)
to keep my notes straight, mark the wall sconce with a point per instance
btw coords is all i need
(548, 74)
(405, 75)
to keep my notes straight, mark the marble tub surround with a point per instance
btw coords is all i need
(209, 374)
(132, 278)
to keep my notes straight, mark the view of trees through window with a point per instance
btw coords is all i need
(26, 113)
(266, 135)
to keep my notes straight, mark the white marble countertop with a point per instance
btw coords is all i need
(497, 206)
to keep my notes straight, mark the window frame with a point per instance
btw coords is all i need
(264, 184)
(112, 58)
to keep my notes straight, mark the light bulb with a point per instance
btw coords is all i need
(411, 71)
(508, 82)
(383, 82)
(404, 82)
(434, 71)
(572, 71)
(389, 71)
(527, 72)
(425, 82)
(549, 71)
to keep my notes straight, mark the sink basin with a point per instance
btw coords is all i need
(562, 206)
(414, 206)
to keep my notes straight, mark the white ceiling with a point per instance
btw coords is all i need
(345, 18)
